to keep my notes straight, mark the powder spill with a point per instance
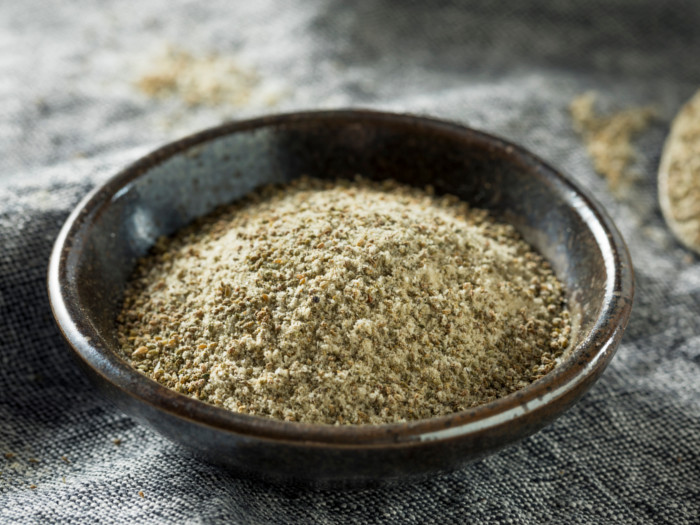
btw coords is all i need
(679, 176)
(199, 81)
(609, 138)
(344, 303)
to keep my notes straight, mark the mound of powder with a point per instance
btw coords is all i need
(344, 303)
(679, 175)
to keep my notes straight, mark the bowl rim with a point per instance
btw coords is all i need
(587, 359)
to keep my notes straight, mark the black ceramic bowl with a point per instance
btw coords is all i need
(119, 221)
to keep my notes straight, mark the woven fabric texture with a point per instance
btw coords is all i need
(72, 114)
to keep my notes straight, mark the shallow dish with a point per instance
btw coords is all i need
(119, 221)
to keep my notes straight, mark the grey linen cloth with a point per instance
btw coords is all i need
(71, 116)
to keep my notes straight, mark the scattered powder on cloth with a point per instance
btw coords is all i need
(211, 80)
(609, 138)
(679, 175)
(344, 303)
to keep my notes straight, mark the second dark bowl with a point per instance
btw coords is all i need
(118, 223)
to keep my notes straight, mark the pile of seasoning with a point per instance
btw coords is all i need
(344, 302)
(679, 175)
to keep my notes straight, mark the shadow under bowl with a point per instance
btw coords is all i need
(118, 222)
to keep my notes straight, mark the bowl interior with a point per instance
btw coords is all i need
(168, 189)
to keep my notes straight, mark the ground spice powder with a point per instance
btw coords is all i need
(346, 302)
(679, 175)
(609, 138)
(199, 81)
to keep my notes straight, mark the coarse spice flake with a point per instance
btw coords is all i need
(344, 302)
